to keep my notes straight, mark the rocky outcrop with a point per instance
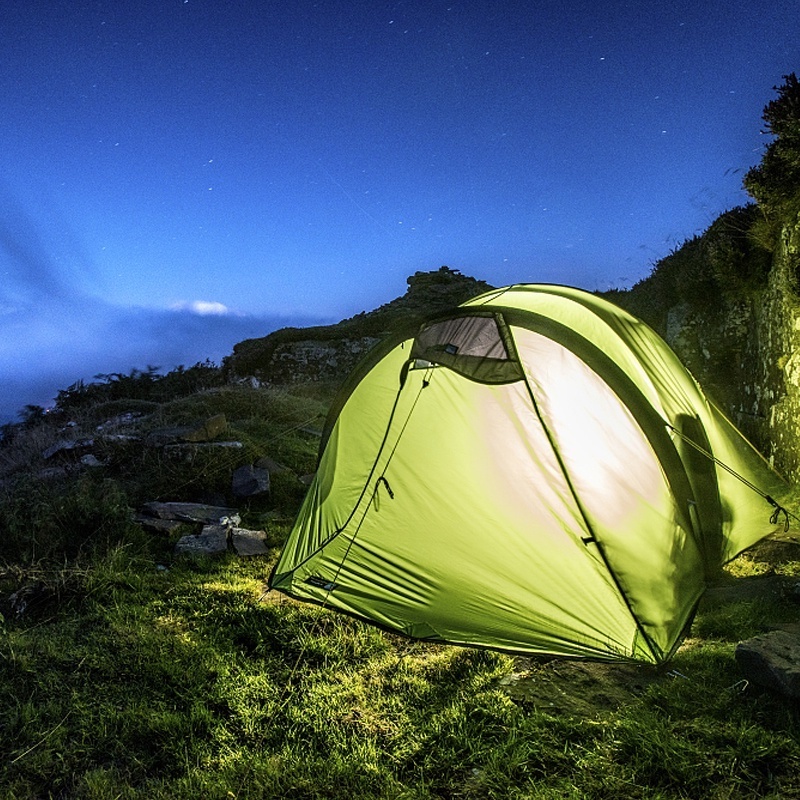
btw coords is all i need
(777, 397)
(316, 359)
(329, 353)
(741, 341)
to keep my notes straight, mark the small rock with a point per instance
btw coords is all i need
(212, 540)
(772, 660)
(250, 481)
(249, 543)
(210, 429)
(91, 460)
(192, 512)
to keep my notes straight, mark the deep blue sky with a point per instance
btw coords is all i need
(180, 174)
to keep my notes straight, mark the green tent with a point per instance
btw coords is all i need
(535, 472)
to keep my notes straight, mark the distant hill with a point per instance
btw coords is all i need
(329, 352)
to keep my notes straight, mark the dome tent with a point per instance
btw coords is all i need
(534, 472)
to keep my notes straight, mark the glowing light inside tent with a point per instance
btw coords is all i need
(606, 455)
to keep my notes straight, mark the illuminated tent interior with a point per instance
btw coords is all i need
(535, 472)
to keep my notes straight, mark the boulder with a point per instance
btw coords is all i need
(250, 481)
(772, 660)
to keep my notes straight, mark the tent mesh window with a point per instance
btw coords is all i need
(476, 346)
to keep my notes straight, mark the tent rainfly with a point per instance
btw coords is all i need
(534, 472)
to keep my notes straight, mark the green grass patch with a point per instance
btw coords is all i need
(189, 682)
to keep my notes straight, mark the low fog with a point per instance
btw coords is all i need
(55, 329)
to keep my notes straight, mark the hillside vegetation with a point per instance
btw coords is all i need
(728, 301)
(130, 670)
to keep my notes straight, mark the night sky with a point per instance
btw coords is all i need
(178, 175)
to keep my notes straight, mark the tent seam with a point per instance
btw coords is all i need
(592, 536)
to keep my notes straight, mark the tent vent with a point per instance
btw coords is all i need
(478, 346)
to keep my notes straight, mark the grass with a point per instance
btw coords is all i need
(150, 683)
(138, 674)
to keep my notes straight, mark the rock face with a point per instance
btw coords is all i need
(772, 661)
(741, 339)
(317, 359)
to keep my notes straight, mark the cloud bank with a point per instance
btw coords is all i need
(53, 332)
(54, 345)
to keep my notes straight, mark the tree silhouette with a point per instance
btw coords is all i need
(775, 182)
